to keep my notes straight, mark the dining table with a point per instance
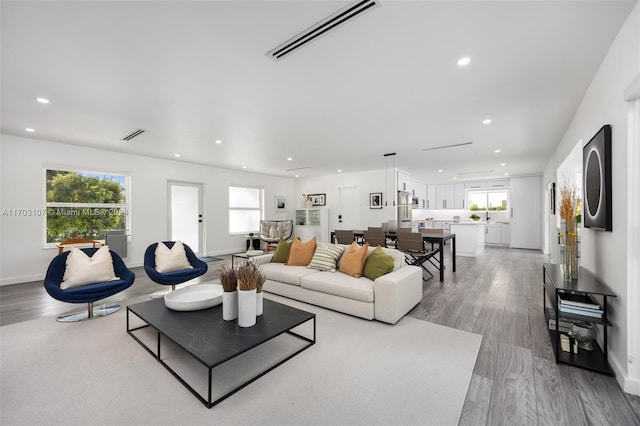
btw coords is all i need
(428, 236)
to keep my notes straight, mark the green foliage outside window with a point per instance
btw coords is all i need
(83, 205)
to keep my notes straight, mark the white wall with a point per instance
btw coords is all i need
(366, 182)
(604, 253)
(22, 187)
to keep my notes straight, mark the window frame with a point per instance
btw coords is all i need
(230, 208)
(487, 191)
(61, 168)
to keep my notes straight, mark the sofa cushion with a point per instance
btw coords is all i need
(326, 257)
(286, 274)
(353, 259)
(339, 284)
(282, 251)
(301, 253)
(377, 264)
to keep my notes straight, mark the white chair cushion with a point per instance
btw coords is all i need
(82, 269)
(171, 259)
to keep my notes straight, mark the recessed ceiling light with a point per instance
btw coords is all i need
(339, 171)
(176, 155)
(503, 164)
(464, 61)
(486, 121)
(454, 178)
(218, 141)
(30, 130)
(439, 170)
(297, 175)
(244, 167)
(289, 158)
(506, 174)
(42, 100)
(497, 151)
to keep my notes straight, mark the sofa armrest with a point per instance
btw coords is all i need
(261, 259)
(396, 293)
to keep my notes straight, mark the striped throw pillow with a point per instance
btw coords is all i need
(326, 257)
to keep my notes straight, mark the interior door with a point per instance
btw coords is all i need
(348, 215)
(185, 214)
(525, 212)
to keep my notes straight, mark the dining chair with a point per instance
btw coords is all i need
(412, 246)
(344, 237)
(375, 237)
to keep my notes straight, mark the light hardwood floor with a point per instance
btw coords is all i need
(498, 295)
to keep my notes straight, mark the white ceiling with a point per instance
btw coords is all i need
(193, 72)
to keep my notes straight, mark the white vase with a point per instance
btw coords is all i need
(309, 204)
(247, 308)
(259, 303)
(229, 305)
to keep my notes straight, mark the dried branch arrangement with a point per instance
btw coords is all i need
(568, 202)
(229, 279)
(249, 277)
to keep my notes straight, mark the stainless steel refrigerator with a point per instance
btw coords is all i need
(404, 209)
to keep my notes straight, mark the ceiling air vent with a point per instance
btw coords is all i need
(133, 135)
(297, 168)
(331, 22)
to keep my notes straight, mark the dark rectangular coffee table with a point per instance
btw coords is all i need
(211, 341)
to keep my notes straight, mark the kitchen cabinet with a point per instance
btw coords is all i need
(403, 181)
(445, 196)
(494, 234)
(470, 238)
(418, 190)
(475, 184)
(501, 183)
(431, 196)
(459, 194)
(506, 234)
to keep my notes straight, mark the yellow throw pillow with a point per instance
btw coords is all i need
(301, 253)
(353, 259)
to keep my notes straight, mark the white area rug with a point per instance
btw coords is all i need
(358, 372)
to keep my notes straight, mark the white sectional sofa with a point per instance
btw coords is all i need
(386, 299)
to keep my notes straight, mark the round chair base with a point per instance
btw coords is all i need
(98, 311)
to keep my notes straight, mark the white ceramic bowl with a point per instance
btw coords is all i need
(194, 297)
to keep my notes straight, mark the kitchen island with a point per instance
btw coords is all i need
(470, 237)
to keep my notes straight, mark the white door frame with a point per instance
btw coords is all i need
(201, 249)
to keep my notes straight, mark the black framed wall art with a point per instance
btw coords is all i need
(596, 172)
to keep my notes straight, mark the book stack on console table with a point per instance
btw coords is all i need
(564, 325)
(579, 304)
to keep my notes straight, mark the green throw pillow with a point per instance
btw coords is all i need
(378, 264)
(282, 251)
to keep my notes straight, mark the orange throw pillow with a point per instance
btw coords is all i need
(301, 253)
(353, 259)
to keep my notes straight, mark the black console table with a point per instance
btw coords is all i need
(589, 285)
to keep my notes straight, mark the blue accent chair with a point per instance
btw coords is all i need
(88, 293)
(173, 278)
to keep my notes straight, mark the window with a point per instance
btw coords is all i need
(245, 209)
(84, 204)
(481, 201)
